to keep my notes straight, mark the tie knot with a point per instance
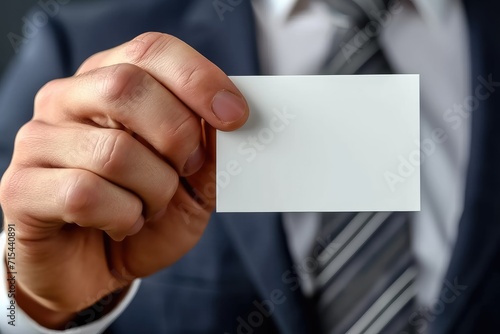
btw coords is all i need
(358, 50)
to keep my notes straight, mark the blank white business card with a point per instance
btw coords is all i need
(323, 143)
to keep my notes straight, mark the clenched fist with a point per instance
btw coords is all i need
(112, 179)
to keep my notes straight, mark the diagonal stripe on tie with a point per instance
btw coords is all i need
(390, 303)
(352, 238)
(368, 256)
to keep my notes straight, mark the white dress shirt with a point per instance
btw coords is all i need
(430, 40)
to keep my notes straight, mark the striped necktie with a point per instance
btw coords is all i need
(365, 280)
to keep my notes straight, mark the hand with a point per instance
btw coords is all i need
(93, 188)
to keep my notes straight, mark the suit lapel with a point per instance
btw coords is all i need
(479, 233)
(260, 241)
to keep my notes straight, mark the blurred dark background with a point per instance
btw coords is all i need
(11, 22)
(13, 16)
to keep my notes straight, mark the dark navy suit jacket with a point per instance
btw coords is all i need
(239, 278)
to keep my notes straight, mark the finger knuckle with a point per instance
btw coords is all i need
(29, 136)
(147, 46)
(110, 150)
(189, 75)
(89, 63)
(80, 195)
(123, 84)
(85, 65)
(184, 134)
(11, 187)
(45, 95)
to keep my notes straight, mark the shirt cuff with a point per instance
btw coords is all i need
(14, 320)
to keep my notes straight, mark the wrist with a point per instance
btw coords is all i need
(42, 315)
(57, 320)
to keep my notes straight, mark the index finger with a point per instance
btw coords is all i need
(196, 81)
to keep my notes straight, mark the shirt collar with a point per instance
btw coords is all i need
(429, 9)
